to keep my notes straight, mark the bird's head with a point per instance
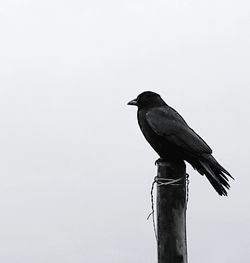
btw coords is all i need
(147, 99)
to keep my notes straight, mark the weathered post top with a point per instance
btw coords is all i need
(171, 212)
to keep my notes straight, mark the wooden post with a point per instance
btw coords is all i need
(171, 213)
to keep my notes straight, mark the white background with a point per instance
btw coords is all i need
(75, 171)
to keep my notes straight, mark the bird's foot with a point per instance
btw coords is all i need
(160, 160)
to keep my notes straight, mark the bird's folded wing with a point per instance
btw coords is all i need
(167, 123)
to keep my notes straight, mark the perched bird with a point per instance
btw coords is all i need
(171, 137)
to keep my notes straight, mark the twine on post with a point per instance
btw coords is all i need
(164, 182)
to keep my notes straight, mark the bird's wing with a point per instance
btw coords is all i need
(167, 123)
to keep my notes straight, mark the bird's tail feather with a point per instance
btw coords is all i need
(215, 174)
(213, 161)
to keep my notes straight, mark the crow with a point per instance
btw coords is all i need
(171, 137)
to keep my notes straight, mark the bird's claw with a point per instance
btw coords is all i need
(158, 161)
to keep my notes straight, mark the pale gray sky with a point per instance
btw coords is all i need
(75, 171)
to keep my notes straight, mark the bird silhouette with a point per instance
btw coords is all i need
(171, 137)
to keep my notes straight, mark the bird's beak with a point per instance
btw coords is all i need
(133, 102)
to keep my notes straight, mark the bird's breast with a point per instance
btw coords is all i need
(158, 143)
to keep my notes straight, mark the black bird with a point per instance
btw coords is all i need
(172, 138)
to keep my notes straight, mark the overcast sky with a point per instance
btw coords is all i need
(75, 171)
